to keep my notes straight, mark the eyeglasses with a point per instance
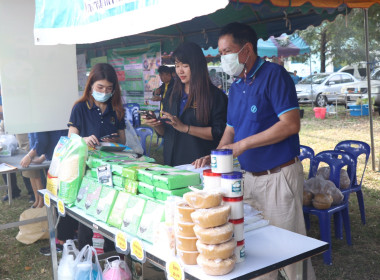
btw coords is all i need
(103, 89)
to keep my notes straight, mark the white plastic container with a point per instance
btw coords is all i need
(238, 229)
(211, 180)
(240, 251)
(232, 184)
(237, 207)
(222, 161)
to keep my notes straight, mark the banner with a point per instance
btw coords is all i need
(90, 21)
(137, 70)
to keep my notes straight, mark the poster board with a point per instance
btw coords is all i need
(39, 83)
(137, 71)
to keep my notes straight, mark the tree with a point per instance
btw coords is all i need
(343, 40)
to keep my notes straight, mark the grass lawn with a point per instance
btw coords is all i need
(359, 261)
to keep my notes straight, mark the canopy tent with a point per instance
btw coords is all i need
(266, 18)
(282, 46)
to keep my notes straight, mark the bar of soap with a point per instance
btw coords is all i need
(215, 235)
(202, 199)
(216, 267)
(212, 217)
(217, 251)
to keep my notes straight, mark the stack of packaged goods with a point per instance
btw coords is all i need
(130, 195)
(231, 186)
(185, 235)
(215, 244)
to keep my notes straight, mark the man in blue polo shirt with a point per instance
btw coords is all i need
(263, 122)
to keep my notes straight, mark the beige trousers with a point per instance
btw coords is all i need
(279, 196)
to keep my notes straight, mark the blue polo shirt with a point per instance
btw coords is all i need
(89, 120)
(254, 105)
(45, 142)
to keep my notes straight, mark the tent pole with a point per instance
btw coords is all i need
(369, 87)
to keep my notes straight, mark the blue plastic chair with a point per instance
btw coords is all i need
(336, 160)
(306, 152)
(132, 114)
(357, 148)
(144, 133)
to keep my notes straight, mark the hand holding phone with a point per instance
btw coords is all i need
(147, 114)
(109, 136)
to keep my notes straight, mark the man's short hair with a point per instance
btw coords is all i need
(164, 69)
(242, 34)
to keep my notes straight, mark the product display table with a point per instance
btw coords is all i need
(267, 248)
(14, 162)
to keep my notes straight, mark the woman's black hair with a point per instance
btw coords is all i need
(200, 95)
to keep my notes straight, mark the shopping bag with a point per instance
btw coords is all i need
(84, 268)
(132, 141)
(116, 270)
(30, 233)
(66, 264)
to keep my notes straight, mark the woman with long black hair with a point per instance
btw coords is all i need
(194, 116)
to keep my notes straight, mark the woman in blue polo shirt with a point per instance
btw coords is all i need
(99, 112)
(194, 115)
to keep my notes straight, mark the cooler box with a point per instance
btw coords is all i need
(359, 110)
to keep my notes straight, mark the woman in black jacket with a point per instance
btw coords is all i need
(194, 116)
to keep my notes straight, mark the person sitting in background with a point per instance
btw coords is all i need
(194, 116)
(295, 78)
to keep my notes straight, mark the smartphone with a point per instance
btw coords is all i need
(109, 136)
(147, 114)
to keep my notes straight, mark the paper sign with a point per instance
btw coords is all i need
(61, 208)
(137, 250)
(121, 241)
(174, 271)
(47, 199)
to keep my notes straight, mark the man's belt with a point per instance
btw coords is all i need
(275, 169)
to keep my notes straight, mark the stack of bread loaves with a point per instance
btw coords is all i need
(232, 188)
(215, 243)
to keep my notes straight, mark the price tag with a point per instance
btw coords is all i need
(61, 208)
(137, 250)
(174, 270)
(121, 242)
(47, 199)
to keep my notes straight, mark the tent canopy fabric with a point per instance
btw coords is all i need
(317, 3)
(266, 18)
(282, 46)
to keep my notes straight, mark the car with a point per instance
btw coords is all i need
(360, 89)
(323, 88)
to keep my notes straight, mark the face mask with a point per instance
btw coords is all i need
(101, 97)
(230, 63)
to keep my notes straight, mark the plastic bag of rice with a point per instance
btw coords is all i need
(71, 169)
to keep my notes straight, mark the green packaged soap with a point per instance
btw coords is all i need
(146, 189)
(115, 218)
(132, 214)
(176, 179)
(154, 213)
(105, 203)
(92, 198)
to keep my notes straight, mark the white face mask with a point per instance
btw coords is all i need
(230, 63)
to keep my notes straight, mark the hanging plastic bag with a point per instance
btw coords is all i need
(132, 141)
(84, 268)
(67, 262)
(71, 170)
(8, 145)
(116, 270)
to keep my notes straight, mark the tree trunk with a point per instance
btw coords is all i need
(323, 50)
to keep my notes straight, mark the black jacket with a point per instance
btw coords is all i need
(181, 148)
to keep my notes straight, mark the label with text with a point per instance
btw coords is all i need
(121, 241)
(47, 200)
(61, 208)
(137, 250)
(174, 270)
